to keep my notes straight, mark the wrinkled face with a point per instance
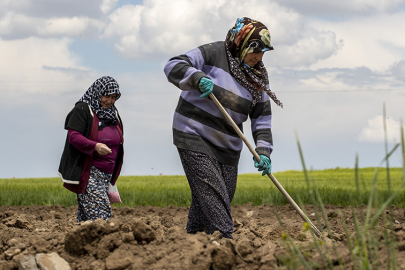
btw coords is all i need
(252, 58)
(108, 101)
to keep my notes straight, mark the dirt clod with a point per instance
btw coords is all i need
(143, 232)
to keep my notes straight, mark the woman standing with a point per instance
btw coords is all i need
(208, 146)
(93, 153)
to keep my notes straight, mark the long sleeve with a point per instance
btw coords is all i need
(261, 126)
(184, 71)
(80, 142)
(198, 124)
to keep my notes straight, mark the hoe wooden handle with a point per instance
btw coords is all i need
(271, 176)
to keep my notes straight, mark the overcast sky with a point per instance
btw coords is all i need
(334, 65)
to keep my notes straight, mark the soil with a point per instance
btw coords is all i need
(155, 238)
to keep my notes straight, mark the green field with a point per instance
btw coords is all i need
(336, 186)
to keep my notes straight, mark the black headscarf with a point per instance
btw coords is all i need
(245, 37)
(103, 86)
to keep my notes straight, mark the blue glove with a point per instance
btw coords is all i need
(264, 164)
(206, 86)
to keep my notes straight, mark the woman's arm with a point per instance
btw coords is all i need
(261, 126)
(85, 145)
(184, 71)
(80, 142)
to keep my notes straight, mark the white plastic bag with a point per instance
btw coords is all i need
(113, 194)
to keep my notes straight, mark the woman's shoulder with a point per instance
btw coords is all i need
(81, 113)
(213, 46)
(81, 108)
(81, 105)
(214, 54)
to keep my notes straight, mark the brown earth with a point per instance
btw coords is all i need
(155, 238)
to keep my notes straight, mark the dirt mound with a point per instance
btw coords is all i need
(155, 238)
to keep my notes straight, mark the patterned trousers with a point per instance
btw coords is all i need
(212, 187)
(94, 203)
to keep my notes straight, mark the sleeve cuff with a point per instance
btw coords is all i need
(263, 151)
(196, 79)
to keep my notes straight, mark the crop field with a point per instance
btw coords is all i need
(360, 214)
(336, 186)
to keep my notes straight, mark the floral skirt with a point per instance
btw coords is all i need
(94, 203)
(213, 186)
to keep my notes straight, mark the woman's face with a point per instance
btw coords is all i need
(108, 101)
(252, 58)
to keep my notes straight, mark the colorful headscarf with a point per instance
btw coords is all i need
(103, 86)
(249, 36)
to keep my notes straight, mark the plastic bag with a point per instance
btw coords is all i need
(113, 194)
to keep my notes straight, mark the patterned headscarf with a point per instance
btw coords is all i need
(103, 86)
(249, 36)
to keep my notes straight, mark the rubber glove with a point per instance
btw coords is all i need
(206, 86)
(264, 164)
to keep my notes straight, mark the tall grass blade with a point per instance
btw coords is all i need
(325, 218)
(290, 244)
(313, 199)
(390, 217)
(349, 240)
(374, 246)
(360, 242)
(315, 238)
(373, 188)
(386, 149)
(403, 151)
(356, 177)
(374, 220)
(302, 159)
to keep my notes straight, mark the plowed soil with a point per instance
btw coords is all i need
(155, 238)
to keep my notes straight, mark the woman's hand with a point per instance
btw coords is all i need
(206, 86)
(264, 164)
(102, 149)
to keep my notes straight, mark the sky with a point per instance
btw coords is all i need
(336, 64)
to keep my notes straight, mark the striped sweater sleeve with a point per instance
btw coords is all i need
(184, 71)
(261, 126)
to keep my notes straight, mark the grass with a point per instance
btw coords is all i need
(336, 186)
(372, 246)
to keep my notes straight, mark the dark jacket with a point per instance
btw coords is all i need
(74, 167)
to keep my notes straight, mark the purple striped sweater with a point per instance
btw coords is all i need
(198, 125)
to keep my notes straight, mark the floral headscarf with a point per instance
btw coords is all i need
(249, 36)
(103, 86)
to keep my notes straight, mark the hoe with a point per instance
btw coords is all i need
(271, 176)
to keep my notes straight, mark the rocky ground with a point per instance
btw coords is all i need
(155, 238)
